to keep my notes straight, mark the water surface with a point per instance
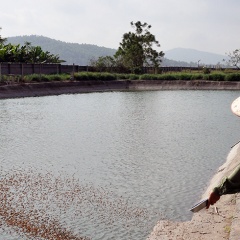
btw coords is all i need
(123, 159)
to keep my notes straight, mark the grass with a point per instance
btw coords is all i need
(105, 76)
(45, 77)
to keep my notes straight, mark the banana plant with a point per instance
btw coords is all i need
(26, 54)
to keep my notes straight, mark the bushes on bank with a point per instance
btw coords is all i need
(45, 77)
(100, 76)
(233, 77)
(149, 77)
(217, 77)
(36, 78)
(82, 76)
(197, 76)
(171, 76)
(133, 77)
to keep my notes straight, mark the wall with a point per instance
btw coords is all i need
(28, 68)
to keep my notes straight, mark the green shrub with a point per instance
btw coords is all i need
(121, 76)
(149, 77)
(108, 76)
(105, 76)
(197, 76)
(216, 77)
(39, 78)
(44, 78)
(185, 76)
(65, 76)
(133, 76)
(81, 76)
(168, 77)
(32, 78)
(233, 77)
(54, 77)
(94, 76)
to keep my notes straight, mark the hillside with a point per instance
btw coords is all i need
(80, 54)
(192, 55)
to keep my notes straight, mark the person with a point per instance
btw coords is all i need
(228, 185)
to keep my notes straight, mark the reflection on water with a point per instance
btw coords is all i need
(108, 165)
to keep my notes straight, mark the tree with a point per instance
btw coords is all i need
(2, 40)
(103, 62)
(234, 58)
(26, 54)
(136, 49)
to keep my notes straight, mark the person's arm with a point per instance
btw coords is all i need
(228, 185)
(212, 199)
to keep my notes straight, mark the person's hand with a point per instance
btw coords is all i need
(213, 198)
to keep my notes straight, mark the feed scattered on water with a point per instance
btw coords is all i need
(41, 205)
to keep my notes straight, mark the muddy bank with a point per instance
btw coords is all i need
(218, 222)
(15, 90)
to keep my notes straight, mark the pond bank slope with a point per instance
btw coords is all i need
(15, 90)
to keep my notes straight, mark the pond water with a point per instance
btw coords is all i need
(109, 165)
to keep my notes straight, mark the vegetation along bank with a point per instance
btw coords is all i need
(43, 85)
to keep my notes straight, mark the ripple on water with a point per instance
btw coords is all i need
(153, 151)
(41, 205)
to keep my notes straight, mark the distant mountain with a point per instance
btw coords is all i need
(79, 54)
(172, 63)
(192, 55)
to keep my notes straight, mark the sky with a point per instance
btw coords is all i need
(205, 25)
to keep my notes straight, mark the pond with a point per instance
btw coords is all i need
(109, 165)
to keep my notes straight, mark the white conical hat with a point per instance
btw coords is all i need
(235, 106)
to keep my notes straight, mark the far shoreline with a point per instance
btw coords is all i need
(19, 90)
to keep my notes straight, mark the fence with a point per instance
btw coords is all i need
(26, 69)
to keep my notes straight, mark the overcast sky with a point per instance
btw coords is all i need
(206, 25)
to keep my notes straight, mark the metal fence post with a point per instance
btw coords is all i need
(73, 71)
(40, 71)
(21, 72)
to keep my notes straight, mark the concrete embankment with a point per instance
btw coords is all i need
(220, 221)
(15, 90)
